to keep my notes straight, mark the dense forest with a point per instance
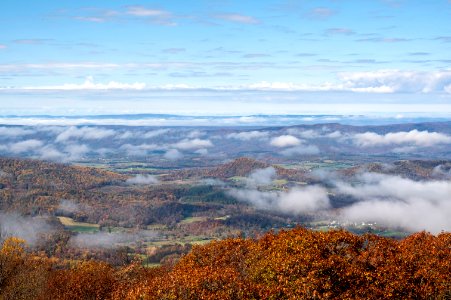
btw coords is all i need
(292, 264)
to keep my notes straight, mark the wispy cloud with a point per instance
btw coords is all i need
(91, 19)
(397, 81)
(142, 179)
(339, 31)
(89, 84)
(193, 144)
(445, 39)
(137, 12)
(25, 146)
(248, 135)
(156, 16)
(32, 41)
(321, 13)
(174, 50)
(27, 228)
(142, 11)
(237, 18)
(384, 40)
(378, 81)
(84, 133)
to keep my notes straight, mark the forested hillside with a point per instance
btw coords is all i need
(294, 264)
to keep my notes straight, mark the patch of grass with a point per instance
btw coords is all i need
(280, 181)
(237, 178)
(193, 219)
(157, 227)
(72, 225)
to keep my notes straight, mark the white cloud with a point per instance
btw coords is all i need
(139, 150)
(194, 134)
(306, 134)
(300, 150)
(89, 84)
(413, 137)
(28, 228)
(70, 153)
(156, 16)
(300, 200)
(109, 240)
(14, 131)
(247, 135)
(285, 141)
(84, 133)
(261, 177)
(76, 152)
(142, 179)
(2, 46)
(237, 18)
(193, 144)
(202, 152)
(378, 81)
(399, 202)
(91, 19)
(173, 154)
(141, 135)
(334, 135)
(155, 133)
(51, 153)
(391, 81)
(141, 11)
(25, 146)
(68, 206)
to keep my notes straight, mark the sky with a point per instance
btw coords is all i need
(225, 57)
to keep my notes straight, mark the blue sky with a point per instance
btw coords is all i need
(225, 57)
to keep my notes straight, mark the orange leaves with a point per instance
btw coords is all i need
(295, 264)
(303, 264)
(88, 280)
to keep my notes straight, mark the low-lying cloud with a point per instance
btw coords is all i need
(398, 202)
(84, 133)
(25, 146)
(142, 179)
(296, 201)
(247, 135)
(413, 137)
(301, 150)
(110, 240)
(193, 144)
(68, 207)
(173, 154)
(261, 177)
(285, 141)
(28, 228)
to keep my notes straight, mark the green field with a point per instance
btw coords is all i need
(193, 219)
(75, 226)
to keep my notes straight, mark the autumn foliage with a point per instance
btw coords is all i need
(294, 264)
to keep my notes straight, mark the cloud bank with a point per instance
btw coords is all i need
(296, 201)
(413, 137)
(399, 202)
